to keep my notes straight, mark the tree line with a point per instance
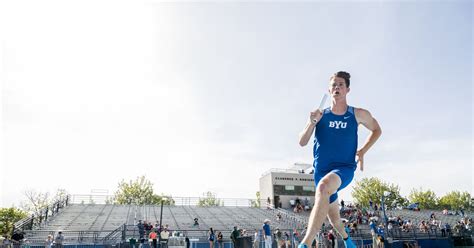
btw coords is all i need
(374, 189)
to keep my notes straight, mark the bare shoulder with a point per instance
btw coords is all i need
(362, 115)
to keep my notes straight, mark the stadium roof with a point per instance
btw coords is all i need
(295, 168)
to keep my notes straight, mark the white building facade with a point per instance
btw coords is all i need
(285, 187)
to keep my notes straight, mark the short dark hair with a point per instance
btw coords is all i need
(345, 75)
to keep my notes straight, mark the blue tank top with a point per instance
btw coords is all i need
(335, 142)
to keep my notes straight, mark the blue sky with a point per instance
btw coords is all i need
(208, 96)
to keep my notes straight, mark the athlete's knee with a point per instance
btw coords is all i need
(327, 185)
(324, 188)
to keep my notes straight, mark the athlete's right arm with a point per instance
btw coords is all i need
(313, 119)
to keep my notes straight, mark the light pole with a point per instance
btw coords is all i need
(385, 194)
(161, 211)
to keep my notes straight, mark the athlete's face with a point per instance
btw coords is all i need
(337, 87)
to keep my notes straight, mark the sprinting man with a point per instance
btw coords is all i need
(335, 151)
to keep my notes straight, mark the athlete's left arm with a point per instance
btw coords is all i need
(365, 118)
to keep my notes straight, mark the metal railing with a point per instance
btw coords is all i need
(177, 201)
(35, 221)
(116, 235)
(125, 232)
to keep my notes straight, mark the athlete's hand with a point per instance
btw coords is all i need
(360, 159)
(315, 116)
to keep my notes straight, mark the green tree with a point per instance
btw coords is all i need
(256, 203)
(209, 199)
(373, 189)
(426, 199)
(455, 200)
(139, 191)
(8, 217)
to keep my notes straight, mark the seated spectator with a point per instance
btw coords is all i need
(269, 203)
(445, 211)
(400, 221)
(392, 220)
(423, 227)
(292, 203)
(278, 216)
(306, 204)
(409, 225)
(298, 208)
(468, 226)
(353, 228)
(196, 223)
(458, 228)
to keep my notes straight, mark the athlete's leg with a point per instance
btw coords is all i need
(335, 219)
(326, 187)
(346, 175)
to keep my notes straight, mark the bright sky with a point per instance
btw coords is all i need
(208, 96)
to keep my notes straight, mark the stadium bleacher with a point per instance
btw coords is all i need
(96, 223)
(105, 218)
